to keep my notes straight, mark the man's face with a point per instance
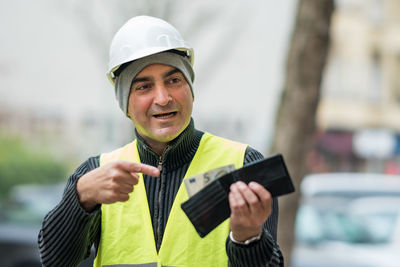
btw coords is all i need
(160, 103)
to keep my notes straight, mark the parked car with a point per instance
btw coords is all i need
(348, 220)
(20, 220)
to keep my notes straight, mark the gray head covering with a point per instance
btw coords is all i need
(123, 82)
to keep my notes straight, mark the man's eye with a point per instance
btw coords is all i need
(142, 87)
(174, 80)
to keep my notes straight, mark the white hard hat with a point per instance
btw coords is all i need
(143, 36)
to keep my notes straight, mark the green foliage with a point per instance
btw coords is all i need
(20, 163)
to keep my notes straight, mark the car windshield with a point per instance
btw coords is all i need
(346, 220)
(28, 204)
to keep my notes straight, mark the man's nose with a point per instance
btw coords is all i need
(162, 96)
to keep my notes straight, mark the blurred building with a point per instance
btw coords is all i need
(359, 111)
(54, 131)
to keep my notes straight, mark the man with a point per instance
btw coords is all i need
(127, 202)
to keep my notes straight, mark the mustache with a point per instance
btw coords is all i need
(170, 107)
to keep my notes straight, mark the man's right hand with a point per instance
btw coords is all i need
(111, 183)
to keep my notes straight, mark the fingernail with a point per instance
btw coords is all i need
(253, 185)
(235, 187)
(241, 184)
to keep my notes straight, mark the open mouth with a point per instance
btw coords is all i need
(164, 115)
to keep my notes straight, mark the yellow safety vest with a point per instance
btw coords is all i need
(127, 237)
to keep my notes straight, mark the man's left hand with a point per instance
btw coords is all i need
(251, 205)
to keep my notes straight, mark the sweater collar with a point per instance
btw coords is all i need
(178, 152)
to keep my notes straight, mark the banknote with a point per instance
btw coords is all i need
(196, 183)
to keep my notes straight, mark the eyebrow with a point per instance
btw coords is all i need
(169, 73)
(149, 78)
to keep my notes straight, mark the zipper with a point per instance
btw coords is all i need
(160, 191)
(160, 163)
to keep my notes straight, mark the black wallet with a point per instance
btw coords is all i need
(210, 206)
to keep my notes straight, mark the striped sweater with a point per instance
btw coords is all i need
(68, 232)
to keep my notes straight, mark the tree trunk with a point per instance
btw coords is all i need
(295, 124)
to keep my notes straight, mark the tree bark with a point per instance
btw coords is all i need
(295, 124)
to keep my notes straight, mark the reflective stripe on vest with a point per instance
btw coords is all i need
(151, 264)
(126, 230)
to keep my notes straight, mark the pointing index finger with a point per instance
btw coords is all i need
(147, 169)
(142, 168)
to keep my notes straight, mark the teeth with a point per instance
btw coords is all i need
(165, 115)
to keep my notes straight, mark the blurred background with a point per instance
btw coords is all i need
(315, 80)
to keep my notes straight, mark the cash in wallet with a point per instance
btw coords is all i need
(209, 207)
